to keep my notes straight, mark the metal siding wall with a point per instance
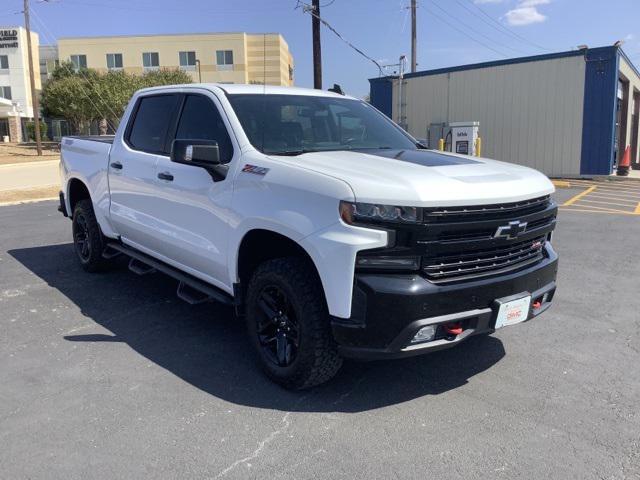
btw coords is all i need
(432, 96)
(530, 113)
(601, 84)
(381, 94)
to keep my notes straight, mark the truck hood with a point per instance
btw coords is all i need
(426, 177)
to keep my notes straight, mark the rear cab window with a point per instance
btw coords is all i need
(151, 121)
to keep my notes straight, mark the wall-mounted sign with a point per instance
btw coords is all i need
(8, 38)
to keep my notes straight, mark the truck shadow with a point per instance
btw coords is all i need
(206, 345)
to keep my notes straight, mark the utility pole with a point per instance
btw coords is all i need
(317, 50)
(34, 96)
(413, 36)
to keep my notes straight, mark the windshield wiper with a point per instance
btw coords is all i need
(295, 153)
(291, 153)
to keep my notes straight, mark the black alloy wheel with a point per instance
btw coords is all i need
(87, 237)
(82, 239)
(277, 327)
(289, 324)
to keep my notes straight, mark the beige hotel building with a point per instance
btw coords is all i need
(207, 57)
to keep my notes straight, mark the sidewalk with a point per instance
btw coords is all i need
(29, 181)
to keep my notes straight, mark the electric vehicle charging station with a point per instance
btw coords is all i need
(464, 137)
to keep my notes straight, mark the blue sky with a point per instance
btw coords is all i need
(450, 32)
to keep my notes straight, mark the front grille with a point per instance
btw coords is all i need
(458, 244)
(476, 263)
(486, 233)
(485, 212)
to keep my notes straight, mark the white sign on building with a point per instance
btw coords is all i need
(15, 90)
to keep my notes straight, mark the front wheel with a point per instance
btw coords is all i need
(288, 324)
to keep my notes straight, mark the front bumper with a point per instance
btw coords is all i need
(388, 310)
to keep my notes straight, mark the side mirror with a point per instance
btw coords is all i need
(199, 153)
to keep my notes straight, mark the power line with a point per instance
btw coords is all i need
(115, 116)
(309, 9)
(150, 8)
(477, 32)
(508, 30)
(455, 27)
(84, 91)
(490, 24)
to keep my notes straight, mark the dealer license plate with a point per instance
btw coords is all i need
(512, 312)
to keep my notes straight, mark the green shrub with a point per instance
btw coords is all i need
(31, 131)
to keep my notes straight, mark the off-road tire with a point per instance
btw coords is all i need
(317, 359)
(84, 219)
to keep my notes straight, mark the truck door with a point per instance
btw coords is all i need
(193, 207)
(132, 170)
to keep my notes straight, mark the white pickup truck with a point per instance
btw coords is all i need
(331, 230)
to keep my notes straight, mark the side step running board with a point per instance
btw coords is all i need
(110, 253)
(191, 295)
(190, 289)
(140, 268)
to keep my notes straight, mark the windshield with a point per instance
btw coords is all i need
(295, 124)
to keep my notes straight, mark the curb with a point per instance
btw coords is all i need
(31, 200)
(30, 163)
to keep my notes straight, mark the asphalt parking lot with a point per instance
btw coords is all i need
(111, 376)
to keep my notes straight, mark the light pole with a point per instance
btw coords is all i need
(199, 72)
(400, 79)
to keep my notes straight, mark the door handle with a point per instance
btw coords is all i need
(165, 176)
(116, 165)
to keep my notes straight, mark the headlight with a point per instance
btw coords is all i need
(388, 262)
(351, 212)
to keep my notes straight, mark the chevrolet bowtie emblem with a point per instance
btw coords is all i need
(511, 231)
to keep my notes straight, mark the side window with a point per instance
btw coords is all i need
(200, 120)
(151, 123)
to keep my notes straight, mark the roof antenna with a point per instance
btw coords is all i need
(336, 89)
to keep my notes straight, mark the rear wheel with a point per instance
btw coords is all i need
(87, 237)
(288, 324)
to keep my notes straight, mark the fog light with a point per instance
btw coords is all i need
(425, 334)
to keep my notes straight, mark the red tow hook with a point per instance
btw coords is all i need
(537, 304)
(453, 328)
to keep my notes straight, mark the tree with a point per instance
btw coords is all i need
(114, 90)
(85, 95)
(165, 76)
(69, 98)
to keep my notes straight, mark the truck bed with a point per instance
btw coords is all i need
(94, 138)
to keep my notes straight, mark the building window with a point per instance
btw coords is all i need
(224, 59)
(5, 92)
(151, 60)
(4, 62)
(114, 61)
(187, 60)
(290, 73)
(79, 61)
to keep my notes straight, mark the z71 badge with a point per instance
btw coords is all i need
(254, 169)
